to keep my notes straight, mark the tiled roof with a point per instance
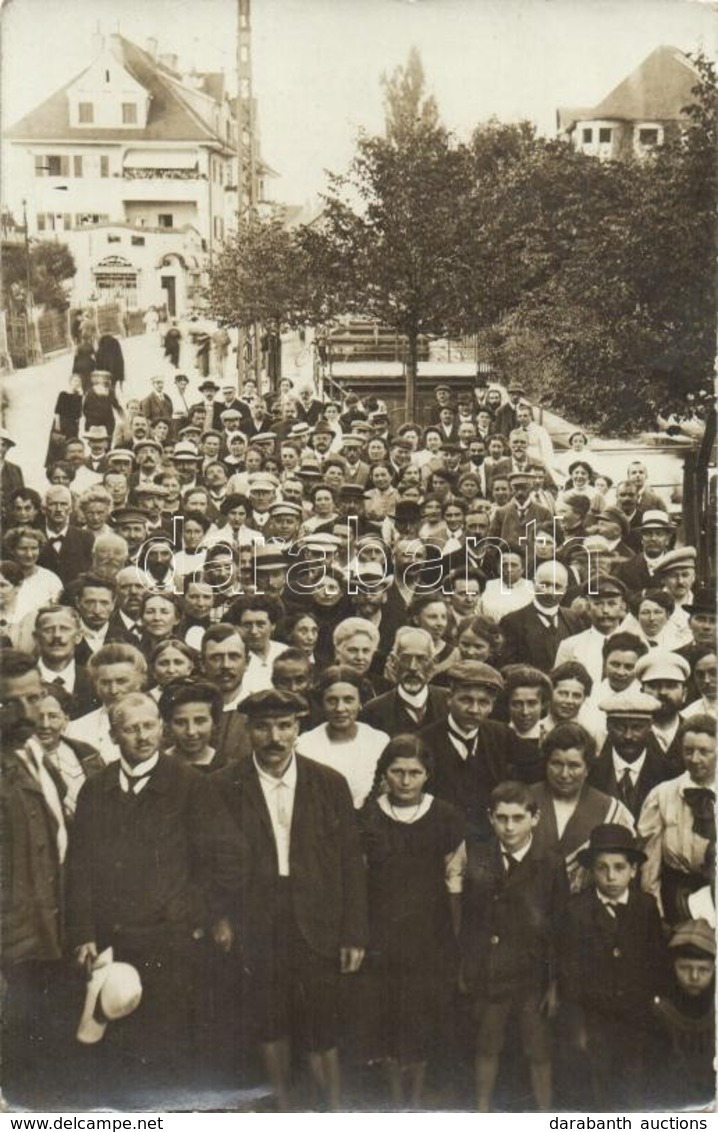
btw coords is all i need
(658, 90)
(169, 118)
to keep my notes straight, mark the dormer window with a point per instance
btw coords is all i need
(129, 113)
(85, 113)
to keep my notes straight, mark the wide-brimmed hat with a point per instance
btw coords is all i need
(611, 838)
(113, 991)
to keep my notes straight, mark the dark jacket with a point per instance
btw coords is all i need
(326, 865)
(74, 557)
(147, 869)
(468, 783)
(656, 768)
(510, 923)
(528, 641)
(612, 966)
(31, 874)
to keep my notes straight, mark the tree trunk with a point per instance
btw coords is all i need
(411, 366)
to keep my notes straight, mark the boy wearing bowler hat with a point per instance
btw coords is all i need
(612, 963)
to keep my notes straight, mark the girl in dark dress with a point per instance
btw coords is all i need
(84, 363)
(109, 357)
(414, 848)
(66, 419)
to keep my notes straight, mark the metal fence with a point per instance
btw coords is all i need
(24, 341)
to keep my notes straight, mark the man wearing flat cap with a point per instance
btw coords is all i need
(665, 676)
(301, 917)
(517, 518)
(631, 762)
(656, 533)
(612, 524)
(472, 753)
(677, 574)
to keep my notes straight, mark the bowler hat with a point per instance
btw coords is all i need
(610, 838)
(704, 600)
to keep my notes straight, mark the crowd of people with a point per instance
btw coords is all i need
(327, 736)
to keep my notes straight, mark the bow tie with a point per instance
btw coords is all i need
(701, 802)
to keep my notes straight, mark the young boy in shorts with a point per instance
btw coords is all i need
(514, 901)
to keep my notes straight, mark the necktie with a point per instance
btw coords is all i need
(626, 790)
(701, 803)
(466, 743)
(59, 682)
(46, 782)
(616, 910)
(510, 862)
(283, 814)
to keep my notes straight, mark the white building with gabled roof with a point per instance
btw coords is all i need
(131, 142)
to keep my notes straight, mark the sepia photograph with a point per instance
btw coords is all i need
(358, 662)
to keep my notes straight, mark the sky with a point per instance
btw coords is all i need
(317, 64)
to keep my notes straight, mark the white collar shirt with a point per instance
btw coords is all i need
(620, 766)
(66, 675)
(279, 796)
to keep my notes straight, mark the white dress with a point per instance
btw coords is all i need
(355, 760)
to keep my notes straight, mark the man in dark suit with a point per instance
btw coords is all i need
(532, 634)
(11, 476)
(414, 702)
(630, 763)
(68, 550)
(154, 861)
(58, 635)
(157, 406)
(302, 912)
(472, 753)
(512, 521)
(656, 531)
(505, 418)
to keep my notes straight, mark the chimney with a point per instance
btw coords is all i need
(98, 40)
(169, 61)
(151, 47)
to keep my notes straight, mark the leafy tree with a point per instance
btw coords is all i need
(389, 243)
(51, 265)
(258, 276)
(605, 281)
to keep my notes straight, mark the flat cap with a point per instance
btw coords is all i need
(148, 442)
(262, 481)
(614, 515)
(286, 508)
(659, 664)
(128, 515)
(631, 703)
(119, 454)
(695, 933)
(268, 556)
(273, 701)
(477, 673)
(185, 450)
(606, 587)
